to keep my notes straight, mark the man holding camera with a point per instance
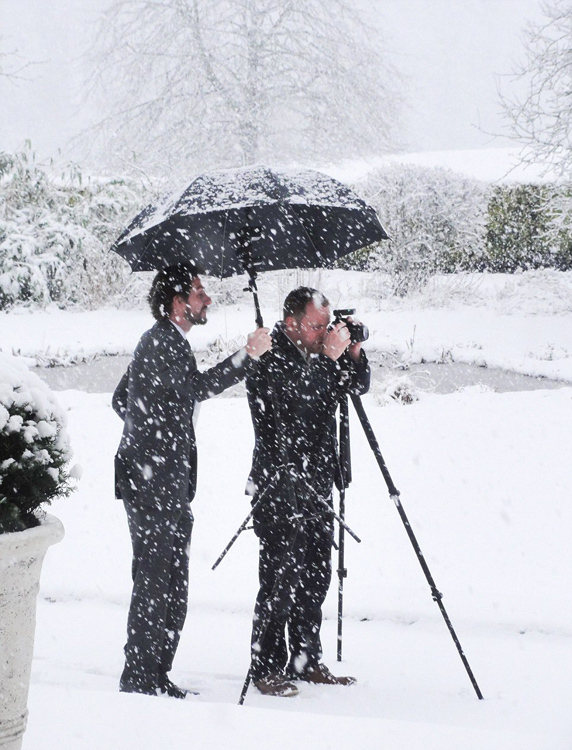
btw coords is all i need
(293, 395)
(156, 468)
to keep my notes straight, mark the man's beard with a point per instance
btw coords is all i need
(196, 320)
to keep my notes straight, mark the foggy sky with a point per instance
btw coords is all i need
(453, 54)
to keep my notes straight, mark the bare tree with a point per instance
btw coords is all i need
(187, 84)
(541, 118)
(11, 64)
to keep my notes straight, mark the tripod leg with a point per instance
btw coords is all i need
(245, 687)
(345, 472)
(239, 531)
(394, 494)
(246, 521)
(264, 624)
(337, 517)
(342, 573)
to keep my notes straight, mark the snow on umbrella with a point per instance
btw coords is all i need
(296, 218)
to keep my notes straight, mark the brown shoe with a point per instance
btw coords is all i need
(276, 684)
(321, 675)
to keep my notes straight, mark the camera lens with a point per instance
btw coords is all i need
(358, 332)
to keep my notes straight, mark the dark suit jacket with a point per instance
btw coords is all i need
(156, 462)
(293, 407)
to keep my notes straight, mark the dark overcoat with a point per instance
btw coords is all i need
(293, 402)
(156, 462)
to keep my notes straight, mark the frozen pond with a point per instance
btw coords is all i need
(102, 375)
(451, 376)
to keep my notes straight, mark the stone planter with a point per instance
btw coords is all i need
(21, 557)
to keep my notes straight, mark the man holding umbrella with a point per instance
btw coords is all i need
(156, 468)
(293, 395)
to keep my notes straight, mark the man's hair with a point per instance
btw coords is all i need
(297, 301)
(169, 283)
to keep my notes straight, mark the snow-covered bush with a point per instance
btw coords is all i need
(55, 234)
(34, 447)
(395, 389)
(529, 226)
(443, 222)
(435, 219)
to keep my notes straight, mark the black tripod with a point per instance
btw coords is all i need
(248, 236)
(345, 471)
(316, 507)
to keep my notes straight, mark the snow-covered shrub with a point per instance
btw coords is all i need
(443, 222)
(435, 219)
(529, 227)
(34, 447)
(55, 234)
(395, 389)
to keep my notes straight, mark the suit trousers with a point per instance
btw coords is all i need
(295, 571)
(160, 571)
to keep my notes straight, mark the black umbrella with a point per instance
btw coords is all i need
(250, 220)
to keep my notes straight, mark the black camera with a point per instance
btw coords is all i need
(358, 332)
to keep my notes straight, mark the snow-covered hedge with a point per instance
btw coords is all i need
(34, 446)
(55, 234)
(435, 218)
(443, 222)
(529, 226)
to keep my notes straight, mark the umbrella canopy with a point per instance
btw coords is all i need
(286, 219)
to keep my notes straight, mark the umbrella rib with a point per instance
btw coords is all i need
(148, 245)
(223, 246)
(159, 227)
(300, 222)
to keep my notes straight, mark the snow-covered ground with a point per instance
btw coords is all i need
(517, 322)
(486, 482)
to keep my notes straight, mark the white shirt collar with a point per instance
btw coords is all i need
(183, 334)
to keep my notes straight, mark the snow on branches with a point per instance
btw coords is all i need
(55, 234)
(541, 116)
(186, 85)
(435, 219)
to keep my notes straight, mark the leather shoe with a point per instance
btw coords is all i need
(321, 675)
(134, 687)
(174, 691)
(276, 684)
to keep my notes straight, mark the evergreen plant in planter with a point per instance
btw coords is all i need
(34, 453)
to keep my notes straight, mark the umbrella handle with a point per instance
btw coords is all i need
(253, 288)
(246, 236)
(258, 315)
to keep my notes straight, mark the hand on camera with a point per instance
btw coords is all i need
(336, 341)
(258, 342)
(354, 350)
